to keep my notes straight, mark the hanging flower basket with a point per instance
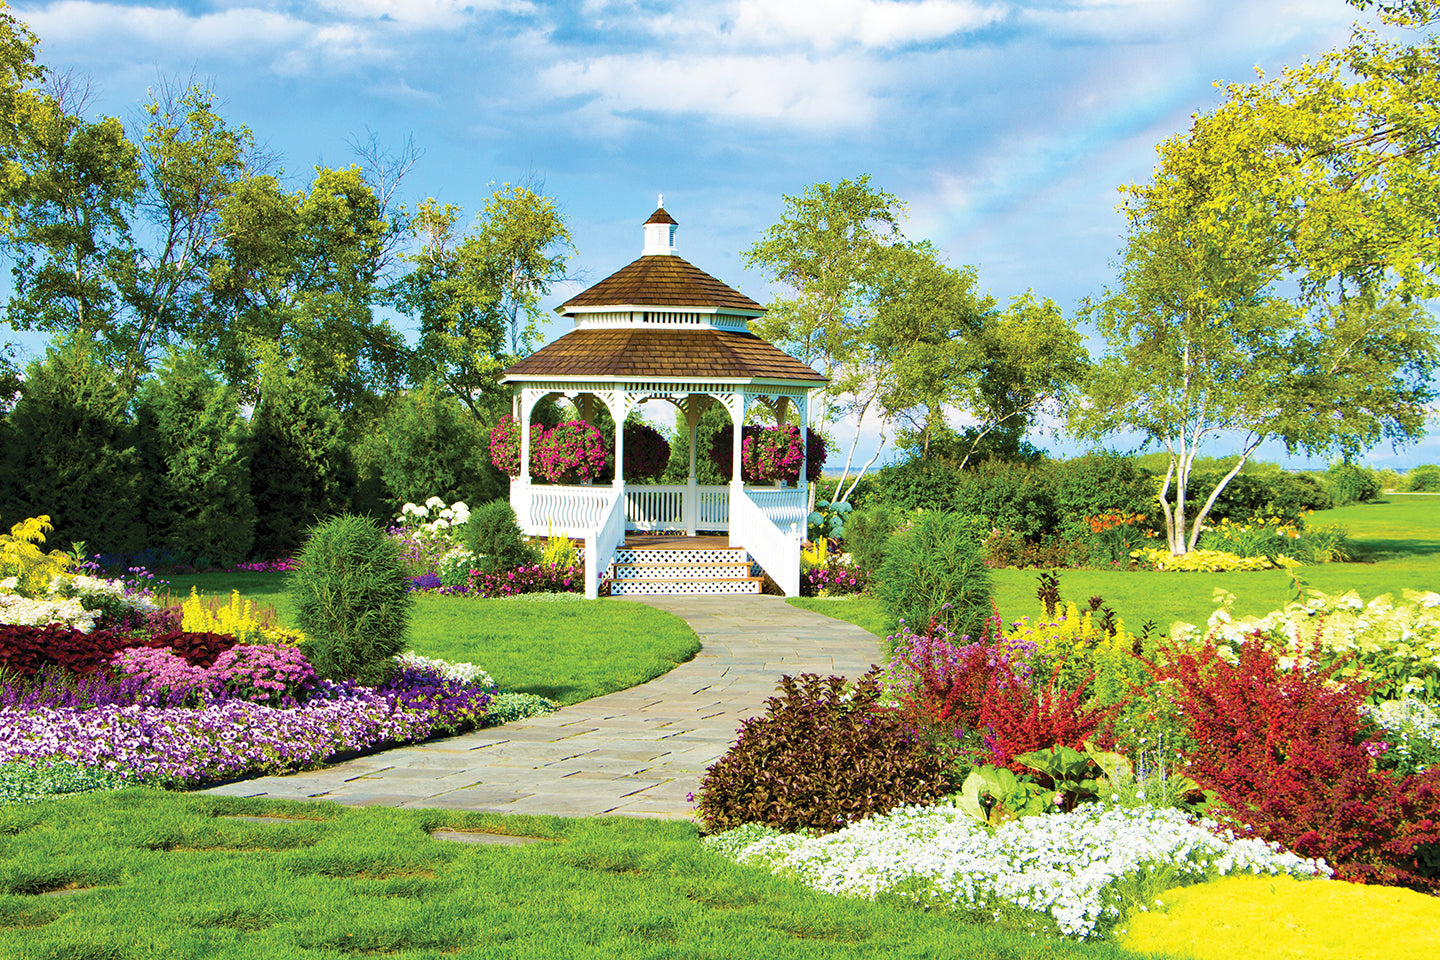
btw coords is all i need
(572, 451)
(505, 446)
(769, 453)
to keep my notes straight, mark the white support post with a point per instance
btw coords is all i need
(692, 489)
(803, 482)
(735, 403)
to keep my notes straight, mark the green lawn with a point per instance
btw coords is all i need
(567, 651)
(1396, 546)
(151, 874)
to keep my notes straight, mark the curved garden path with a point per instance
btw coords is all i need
(638, 752)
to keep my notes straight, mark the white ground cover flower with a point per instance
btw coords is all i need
(1074, 867)
(25, 612)
(464, 672)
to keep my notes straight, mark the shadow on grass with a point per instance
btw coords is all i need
(1374, 551)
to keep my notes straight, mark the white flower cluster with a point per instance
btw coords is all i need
(464, 672)
(1414, 725)
(433, 516)
(25, 612)
(1075, 867)
(65, 603)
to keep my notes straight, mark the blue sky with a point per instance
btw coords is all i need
(1007, 126)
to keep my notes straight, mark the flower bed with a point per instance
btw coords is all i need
(1079, 871)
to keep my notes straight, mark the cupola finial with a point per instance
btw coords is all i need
(659, 232)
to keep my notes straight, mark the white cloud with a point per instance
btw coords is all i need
(789, 88)
(81, 21)
(422, 14)
(828, 24)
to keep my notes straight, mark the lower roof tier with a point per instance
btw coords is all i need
(637, 352)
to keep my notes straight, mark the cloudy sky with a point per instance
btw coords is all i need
(1006, 126)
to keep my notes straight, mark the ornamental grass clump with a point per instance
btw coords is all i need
(933, 570)
(351, 599)
(824, 754)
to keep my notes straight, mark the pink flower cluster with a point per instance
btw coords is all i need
(574, 450)
(259, 673)
(769, 453)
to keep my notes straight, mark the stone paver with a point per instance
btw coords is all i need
(637, 752)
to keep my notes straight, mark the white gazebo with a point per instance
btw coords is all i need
(662, 329)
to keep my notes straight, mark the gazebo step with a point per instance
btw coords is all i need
(684, 587)
(681, 571)
(629, 555)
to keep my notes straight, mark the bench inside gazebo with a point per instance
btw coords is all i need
(662, 329)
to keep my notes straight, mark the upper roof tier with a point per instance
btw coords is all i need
(661, 281)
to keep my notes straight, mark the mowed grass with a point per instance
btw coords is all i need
(147, 874)
(1396, 546)
(568, 651)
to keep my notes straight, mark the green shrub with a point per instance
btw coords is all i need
(350, 599)
(493, 535)
(1097, 483)
(866, 533)
(1351, 484)
(1389, 480)
(1423, 479)
(934, 569)
(916, 485)
(821, 757)
(1294, 494)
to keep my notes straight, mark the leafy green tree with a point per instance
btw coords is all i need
(298, 274)
(301, 469)
(428, 445)
(1201, 346)
(476, 296)
(70, 453)
(202, 483)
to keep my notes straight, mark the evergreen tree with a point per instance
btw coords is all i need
(301, 470)
(70, 453)
(191, 421)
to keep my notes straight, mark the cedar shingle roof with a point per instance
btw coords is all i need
(660, 216)
(662, 280)
(640, 352)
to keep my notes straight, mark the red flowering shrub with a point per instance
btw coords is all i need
(941, 679)
(647, 452)
(1018, 720)
(1284, 750)
(769, 453)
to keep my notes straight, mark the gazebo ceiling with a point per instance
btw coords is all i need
(661, 281)
(638, 353)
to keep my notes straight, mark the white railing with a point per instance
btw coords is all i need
(713, 510)
(660, 507)
(564, 511)
(777, 550)
(787, 508)
(601, 543)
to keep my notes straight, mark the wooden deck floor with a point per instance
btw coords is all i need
(675, 541)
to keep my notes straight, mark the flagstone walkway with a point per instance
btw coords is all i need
(638, 752)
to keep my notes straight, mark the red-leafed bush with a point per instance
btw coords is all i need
(941, 680)
(1284, 750)
(1017, 720)
(25, 650)
(647, 452)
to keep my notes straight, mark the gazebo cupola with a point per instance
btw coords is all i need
(660, 328)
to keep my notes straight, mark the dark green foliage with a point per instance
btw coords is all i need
(1292, 494)
(493, 533)
(866, 533)
(821, 757)
(916, 485)
(428, 445)
(350, 599)
(300, 465)
(1097, 483)
(1423, 479)
(1351, 484)
(189, 424)
(1008, 496)
(71, 454)
(932, 563)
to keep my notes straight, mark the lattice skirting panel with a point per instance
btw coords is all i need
(690, 588)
